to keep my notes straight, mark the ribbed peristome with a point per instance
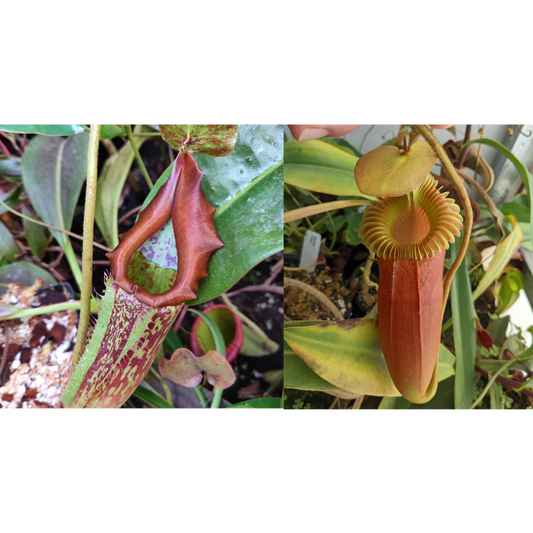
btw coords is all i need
(414, 226)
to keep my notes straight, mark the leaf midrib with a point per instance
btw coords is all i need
(59, 157)
(257, 179)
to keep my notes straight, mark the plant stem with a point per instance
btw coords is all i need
(73, 263)
(287, 189)
(465, 200)
(138, 156)
(6, 349)
(88, 233)
(201, 395)
(462, 155)
(491, 381)
(217, 396)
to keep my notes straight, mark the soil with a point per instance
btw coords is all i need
(36, 350)
(300, 305)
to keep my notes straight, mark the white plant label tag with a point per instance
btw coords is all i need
(310, 250)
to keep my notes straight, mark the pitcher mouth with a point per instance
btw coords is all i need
(413, 226)
(181, 200)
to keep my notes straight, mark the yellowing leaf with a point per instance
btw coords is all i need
(501, 258)
(321, 167)
(346, 354)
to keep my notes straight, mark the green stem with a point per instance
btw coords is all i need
(201, 395)
(287, 189)
(138, 156)
(217, 396)
(88, 234)
(72, 260)
(465, 200)
(47, 309)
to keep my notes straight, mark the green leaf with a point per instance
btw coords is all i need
(496, 396)
(509, 290)
(110, 131)
(464, 332)
(258, 403)
(36, 235)
(54, 129)
(53, 172)
(256, 343)
(524, 174)
(321, 167)
(341, 143)
(151, 398)
(9, 166)
(518, 207)
(498, 328)
(246, 187)
(216, 334)
(215, 140)
(8, 247)
(297, 375)
(172, 342)
(500, 259)
(23, 272)
(351, 219)
(11, 198)
(110, 185)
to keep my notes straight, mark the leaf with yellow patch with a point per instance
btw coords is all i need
(348, 355)
(321, 167)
